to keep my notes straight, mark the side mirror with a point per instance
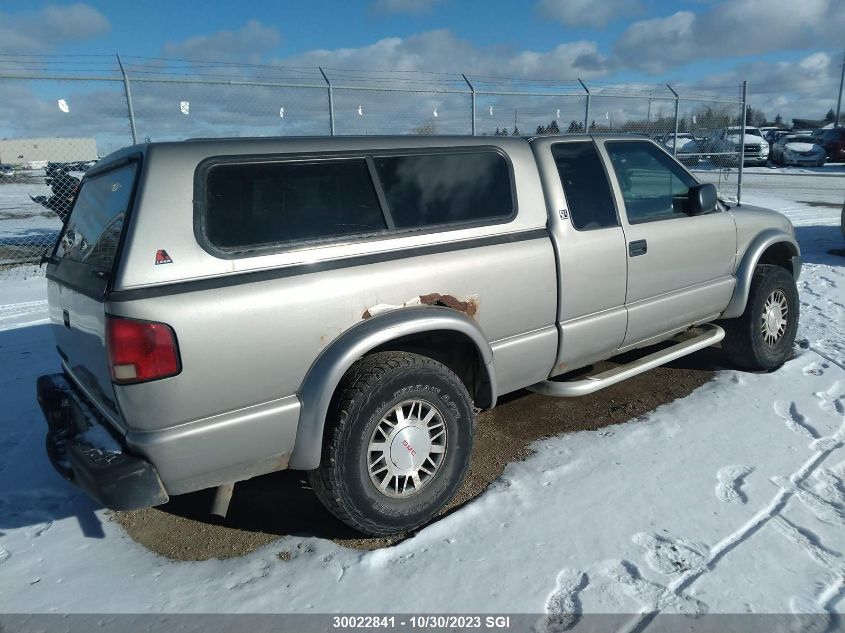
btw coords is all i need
(702, 199)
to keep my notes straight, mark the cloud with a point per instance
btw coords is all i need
(248, 44)
(441, 50)
(413, 7)
(806, 88)
(731, 28)
(591, 13)
(47, 28)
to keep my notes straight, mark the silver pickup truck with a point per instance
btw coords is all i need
(345, 306)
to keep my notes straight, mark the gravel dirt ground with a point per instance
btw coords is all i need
(269, 507)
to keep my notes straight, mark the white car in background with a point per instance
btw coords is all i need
(730, 141)
(796, 149)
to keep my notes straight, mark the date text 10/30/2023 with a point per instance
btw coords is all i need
(421, 622)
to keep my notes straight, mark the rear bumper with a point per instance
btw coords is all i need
(82, 449)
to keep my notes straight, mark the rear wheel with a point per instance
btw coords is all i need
(398, 443)
(762, 337)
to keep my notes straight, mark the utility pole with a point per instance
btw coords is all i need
(839, 101)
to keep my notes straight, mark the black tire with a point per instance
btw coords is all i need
(368, 395)
(745, 344)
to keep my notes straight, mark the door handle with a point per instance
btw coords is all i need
(637, 247)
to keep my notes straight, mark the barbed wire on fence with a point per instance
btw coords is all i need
(59, 113)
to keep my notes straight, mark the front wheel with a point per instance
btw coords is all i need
(398, 443)
(762, 337)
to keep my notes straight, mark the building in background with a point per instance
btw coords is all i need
(23, 151)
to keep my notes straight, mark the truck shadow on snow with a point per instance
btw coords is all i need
(817, 242)
(32, 495)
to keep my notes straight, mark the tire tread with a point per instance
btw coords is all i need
(358, 382)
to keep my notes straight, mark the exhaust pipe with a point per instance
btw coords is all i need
(222, 497)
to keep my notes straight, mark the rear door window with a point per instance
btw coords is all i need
(585, 184)
(427, 190)
(254, 205)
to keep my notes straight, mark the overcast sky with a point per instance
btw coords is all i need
(789, 50)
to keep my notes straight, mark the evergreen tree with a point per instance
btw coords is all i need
(553, 128)
(541, 130)
(498, 132)
(593, 125)
(516, 132)
(830, 117)
(573, 127)
(778, 120)
(504, 131)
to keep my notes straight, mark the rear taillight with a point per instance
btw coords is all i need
(140, 350)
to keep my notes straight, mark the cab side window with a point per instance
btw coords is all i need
(653, 185)
(585, 185)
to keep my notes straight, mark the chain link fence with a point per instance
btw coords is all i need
(58, 115)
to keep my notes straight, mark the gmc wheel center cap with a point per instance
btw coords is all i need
(409, 448)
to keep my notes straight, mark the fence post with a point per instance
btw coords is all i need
(587, 107)
(331, 101)
(839, 99)
(128, 92)
(472, 91)
(677, 106)
(742, 143)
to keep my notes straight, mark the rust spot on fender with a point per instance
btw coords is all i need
(469, 307)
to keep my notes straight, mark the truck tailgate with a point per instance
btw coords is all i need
(79, 273)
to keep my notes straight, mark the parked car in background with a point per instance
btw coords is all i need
(833, 142)
(773, 135)
(728, 143)
(794, 149)
(81, 165)
(7, 171)
(730, 140)
(818, 134)
(686, 147)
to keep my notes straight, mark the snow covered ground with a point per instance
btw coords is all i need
(731, 500)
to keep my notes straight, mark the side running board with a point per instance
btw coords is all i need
(712, 334)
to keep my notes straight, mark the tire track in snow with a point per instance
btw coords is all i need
(651, 596)
(828, 559)
(823, 510)
(15, 310)
(823, 447)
